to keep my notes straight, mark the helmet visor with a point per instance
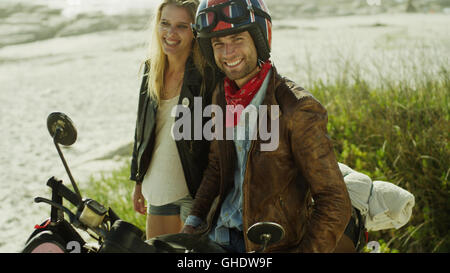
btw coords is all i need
(230, 12)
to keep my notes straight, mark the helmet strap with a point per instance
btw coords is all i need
(260, 63)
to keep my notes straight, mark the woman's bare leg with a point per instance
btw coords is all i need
(161, 224)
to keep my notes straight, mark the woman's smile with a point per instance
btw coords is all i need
(171, 42)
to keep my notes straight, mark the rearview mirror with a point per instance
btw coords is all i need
(265, 234)
(61, 128)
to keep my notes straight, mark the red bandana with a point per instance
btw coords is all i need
(241, 98)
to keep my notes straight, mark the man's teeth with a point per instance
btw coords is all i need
(234, 63)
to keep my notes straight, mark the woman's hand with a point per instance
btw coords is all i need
(139, 200)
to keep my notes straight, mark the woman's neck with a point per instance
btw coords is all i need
(176, 64)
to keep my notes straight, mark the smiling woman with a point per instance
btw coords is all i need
(173, 40)
(175, 31)
(176, 39)
(168, 171)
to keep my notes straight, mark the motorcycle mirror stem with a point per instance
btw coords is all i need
(74, 185)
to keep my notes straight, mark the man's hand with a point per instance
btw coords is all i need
(188, 229)
(139, 200)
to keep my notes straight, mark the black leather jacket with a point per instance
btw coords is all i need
(193, 153)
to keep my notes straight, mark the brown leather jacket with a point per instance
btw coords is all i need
(279, 185)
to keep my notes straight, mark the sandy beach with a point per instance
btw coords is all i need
(94, 78)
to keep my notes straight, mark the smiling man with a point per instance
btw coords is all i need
(243, 184)
(236, 56)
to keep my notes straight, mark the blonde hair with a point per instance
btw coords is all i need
(157, 61)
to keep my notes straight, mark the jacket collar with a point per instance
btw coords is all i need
(270, 98)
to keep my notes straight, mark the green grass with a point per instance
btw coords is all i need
(115, 190)
(398, 132)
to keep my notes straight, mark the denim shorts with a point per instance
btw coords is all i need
(180, 207)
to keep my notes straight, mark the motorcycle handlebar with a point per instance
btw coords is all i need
(113, 216)
(66, 210)
(63, 191)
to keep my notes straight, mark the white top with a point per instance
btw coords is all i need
(164, 181)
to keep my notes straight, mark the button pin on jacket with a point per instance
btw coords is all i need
(185, 102)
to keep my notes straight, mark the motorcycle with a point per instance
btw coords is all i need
(110, 233)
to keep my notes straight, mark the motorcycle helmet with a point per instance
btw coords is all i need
(216, 18)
